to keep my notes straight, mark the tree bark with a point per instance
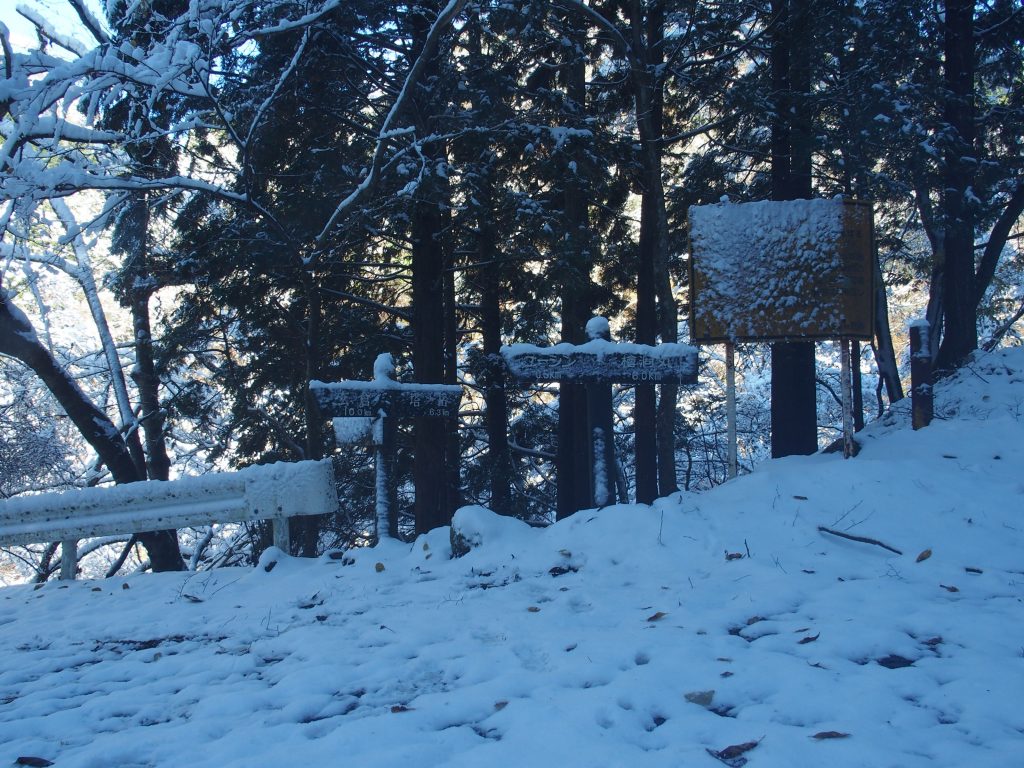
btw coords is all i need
(960, 331)
(431, 437)
(573, 468)
(793, 391)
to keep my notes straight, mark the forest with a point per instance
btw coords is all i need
(205, 205)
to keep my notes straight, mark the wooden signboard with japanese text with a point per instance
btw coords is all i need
(396, 400)
(603, 361)
(385, 401)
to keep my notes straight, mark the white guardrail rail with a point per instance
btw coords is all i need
(266, 492)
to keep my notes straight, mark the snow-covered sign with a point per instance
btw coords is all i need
(385, 396)
(800, 269)
(385, 401)
(604, 361)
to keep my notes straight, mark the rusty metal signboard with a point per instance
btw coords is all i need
(781, 271)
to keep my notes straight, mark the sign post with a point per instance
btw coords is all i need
(385, 401)
(730, 405)
(599, 363)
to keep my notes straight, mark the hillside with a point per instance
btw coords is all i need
(707, 629)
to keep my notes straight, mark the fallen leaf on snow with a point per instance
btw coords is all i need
(657, 616)
(924, 555)
(822, 735)
(733, 755)
(809, 639)
(701, 698)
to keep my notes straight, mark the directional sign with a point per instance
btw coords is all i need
(389, 398)
(603, 361)
(386, 400)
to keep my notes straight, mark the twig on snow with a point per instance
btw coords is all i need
(861, 539)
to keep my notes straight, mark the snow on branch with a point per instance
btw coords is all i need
(47, 30)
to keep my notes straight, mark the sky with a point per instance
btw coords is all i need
(57, 12)
(818, 611)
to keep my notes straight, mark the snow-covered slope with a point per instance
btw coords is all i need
(704, 630)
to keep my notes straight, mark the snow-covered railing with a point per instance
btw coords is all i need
(269, 492)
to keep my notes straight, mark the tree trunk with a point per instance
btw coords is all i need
(489, 275)
(648, 108)
(794, 405)
(572, 464)
(885, 354)
(431, 437)
(499, 458)
(960, 332)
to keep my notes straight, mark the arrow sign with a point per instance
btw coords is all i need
(389, 398)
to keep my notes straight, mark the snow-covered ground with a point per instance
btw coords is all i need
(719, 628)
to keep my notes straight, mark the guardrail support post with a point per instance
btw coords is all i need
(281, 538)
(68, 559)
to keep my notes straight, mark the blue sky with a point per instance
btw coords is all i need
(58, 12)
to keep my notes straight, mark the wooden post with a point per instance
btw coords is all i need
(68, 559)
(730, 406)
(600, 428)
(385, 430)
(847, 397)
(922, 402)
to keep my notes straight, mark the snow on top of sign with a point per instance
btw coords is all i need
(757, 257)
(600, 348)
(598, 328)
(384, 367)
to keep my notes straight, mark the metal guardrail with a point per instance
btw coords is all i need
(267, 492)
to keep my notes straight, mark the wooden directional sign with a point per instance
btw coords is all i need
(386, 401)
(603, 361)
(388, 398)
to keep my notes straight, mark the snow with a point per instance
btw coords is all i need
(598, 328)
(351, 430)
(384, 368)
(631, 636)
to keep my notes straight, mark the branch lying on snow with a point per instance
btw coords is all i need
(861, 539)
